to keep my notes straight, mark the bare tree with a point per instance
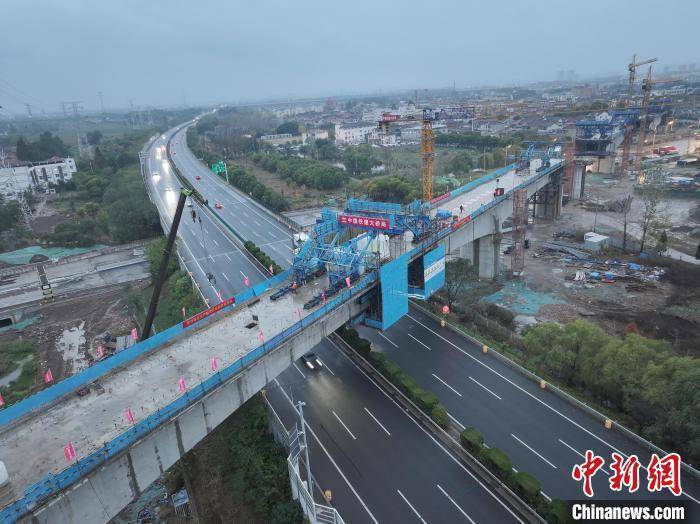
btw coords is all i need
(457, 272)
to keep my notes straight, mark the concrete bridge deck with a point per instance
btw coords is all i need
(32, 446)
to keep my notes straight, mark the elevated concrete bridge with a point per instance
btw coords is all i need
(175, 394)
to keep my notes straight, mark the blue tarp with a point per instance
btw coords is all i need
(394, 283)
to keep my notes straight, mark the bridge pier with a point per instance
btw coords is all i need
(468, 251)
(548, 201)
(579, 181)
(488, 255)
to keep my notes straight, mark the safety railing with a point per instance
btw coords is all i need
(471, 185)
(51, 484)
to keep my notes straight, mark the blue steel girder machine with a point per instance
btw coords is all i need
(330, 245)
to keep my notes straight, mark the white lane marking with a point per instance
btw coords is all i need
(299, 370)
(226, 277)
(411, 506)
(447, 385)
(242, 273)
(462, 426)
(387, 339)
(535, 452)
(377, 421)
(343, 424)
(519, 387)
(256, 222)
(229, 258)
(487, 389)
(325, 366)
(272, 234)
(455, 504)
(581, 455)
(421, 343)
(340, 472)
(215, 242)
(440, 446)
(212, 258)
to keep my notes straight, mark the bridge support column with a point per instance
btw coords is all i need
(489, 250)
(548, 201)
(578, 181)
(467, 251)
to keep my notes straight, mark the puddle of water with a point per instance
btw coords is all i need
(6, 380)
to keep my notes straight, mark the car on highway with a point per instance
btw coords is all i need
(198, 177)
(218, 205)
(312, 362)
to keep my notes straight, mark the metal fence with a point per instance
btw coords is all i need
(316, 513)
(51, 484)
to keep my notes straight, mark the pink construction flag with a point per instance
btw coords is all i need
(100, 351)
(245, 280)
(272, 270)
(181, 385)
(129, 415)
(214, 364)
(218, 295)
(48, 376)
(69, 451)
(134, 334)
(323, 296)
(184, 315)
(261, 337)
(2, 401)
(347, 281)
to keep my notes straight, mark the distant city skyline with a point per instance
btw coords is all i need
(171, 53)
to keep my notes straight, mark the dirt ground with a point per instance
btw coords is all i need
(66, 336)
(666, 309)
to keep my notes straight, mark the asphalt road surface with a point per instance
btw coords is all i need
(541, 433)
(245, 216)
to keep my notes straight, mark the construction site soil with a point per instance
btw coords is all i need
(66, 337)
(662, 298)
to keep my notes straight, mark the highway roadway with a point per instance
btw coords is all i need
(204, 246)
(374, 477)
(244, 215)
(541, 433)
(378, 463)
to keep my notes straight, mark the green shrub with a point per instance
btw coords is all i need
(262, 257)
(471, 439)
(363, 347)
(555, 512)
(527, 486)
(392, 369)
(426, 400)
(439, 416)
(498, 462)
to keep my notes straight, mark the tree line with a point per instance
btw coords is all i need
(475, 140)
(657, 390)
(115, 206)
(45, 147)
(302, 171)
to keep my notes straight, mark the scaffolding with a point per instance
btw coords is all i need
(518, 231)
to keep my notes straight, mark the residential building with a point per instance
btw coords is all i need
(314, 134)
(354, 133)
(16, 179)
(281, 139)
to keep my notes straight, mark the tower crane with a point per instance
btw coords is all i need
(627, 140)
(647, 84)
(427, 143)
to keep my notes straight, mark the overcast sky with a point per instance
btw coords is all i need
(156, 52)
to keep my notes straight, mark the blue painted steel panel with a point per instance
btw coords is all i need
(434, 270)
(394, 279)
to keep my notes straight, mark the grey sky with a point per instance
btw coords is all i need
(154, 51)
